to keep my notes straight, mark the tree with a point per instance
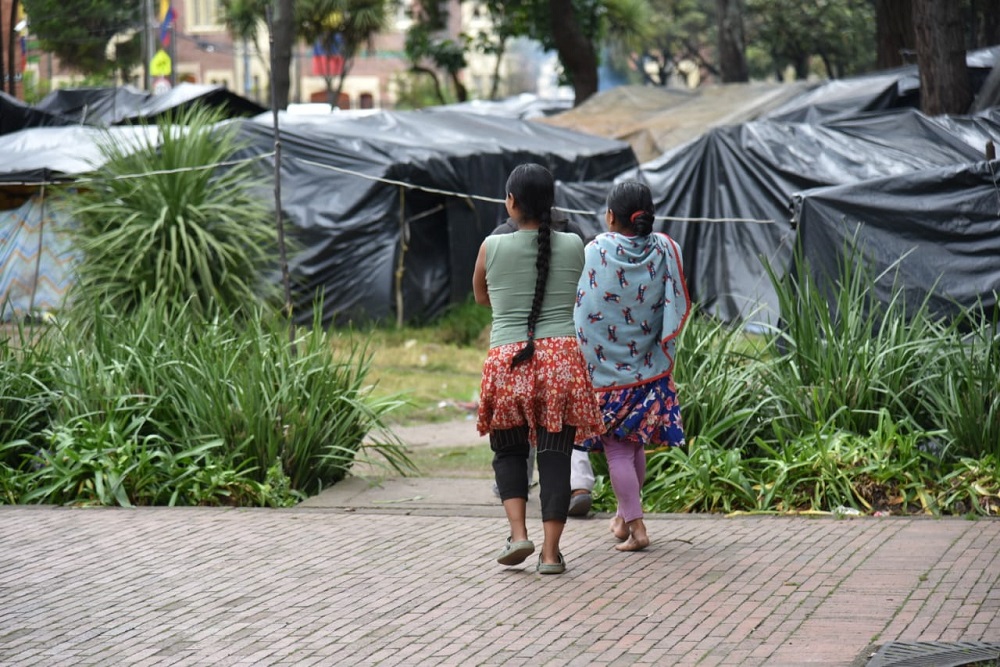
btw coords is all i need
(78, 31)
(507, 20)
(681, 32)
(428, 46)
(732, 44)
(838, 33)
(339, 27)
(940, 42)
(894, 29)
(282, 26)
(574, 45)
(985, 23)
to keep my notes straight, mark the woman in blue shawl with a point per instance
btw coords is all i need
(631, 304)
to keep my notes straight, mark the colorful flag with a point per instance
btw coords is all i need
(168, 18)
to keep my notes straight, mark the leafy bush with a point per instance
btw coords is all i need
(25, 398)
(851, 404)
(187, 235)
(159, 410)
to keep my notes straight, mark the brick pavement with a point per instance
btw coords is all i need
(327, 586)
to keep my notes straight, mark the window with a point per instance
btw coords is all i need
(203, 16)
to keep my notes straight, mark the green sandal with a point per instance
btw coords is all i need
(551, 568)
(515, 552)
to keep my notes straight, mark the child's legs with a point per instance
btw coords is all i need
(626, 476)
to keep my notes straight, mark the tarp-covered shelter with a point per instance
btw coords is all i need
(751, 173)
(126, 104)
(16, 115)
(36, 255)
(934, 232)
(654, 120)
(405, 196)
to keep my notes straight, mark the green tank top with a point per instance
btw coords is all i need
(510, 279)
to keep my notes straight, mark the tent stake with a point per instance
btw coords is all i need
(402, 255)
(38, 257)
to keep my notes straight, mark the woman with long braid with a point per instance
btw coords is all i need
(535, 391)
(631, 305)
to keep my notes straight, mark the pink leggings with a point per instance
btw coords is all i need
(627, 468)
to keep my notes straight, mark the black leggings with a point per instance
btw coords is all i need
(510, 460)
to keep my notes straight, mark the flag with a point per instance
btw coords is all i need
(168, 18)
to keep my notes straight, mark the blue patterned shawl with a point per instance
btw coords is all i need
(631, 303)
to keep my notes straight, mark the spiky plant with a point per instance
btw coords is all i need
(160, 223)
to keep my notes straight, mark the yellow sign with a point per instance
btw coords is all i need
(159, 65)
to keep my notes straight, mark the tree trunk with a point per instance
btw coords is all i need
(434, 78)
(986, 23)
(576, 51)
(894, 32)
(461, 92)
(495, 85)
(732, 45)
(3, 55)
(940, 41)
(12, 50)
(283, 31)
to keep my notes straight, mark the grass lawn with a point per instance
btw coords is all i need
(439, 381)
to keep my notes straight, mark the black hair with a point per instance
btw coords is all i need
(534, 192)
(632, 204)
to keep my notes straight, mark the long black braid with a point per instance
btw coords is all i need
(534, 191)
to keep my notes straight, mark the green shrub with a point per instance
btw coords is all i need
(185, 234)
(158, 410)
(25, 397)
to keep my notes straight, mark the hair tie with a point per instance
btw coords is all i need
(635, 215)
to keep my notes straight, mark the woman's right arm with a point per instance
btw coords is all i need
(479, 288)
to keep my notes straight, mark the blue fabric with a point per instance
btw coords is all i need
(631, 302)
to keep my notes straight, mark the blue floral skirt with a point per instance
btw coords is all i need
(647, 414)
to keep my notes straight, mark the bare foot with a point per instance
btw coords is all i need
(619, 528)
(633, 543)
(637, 537)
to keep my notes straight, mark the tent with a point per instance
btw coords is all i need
(36, 256)
(16, 115)
(126, 104)
(935, 232)
(655, 120)
(752, 172)
(389, 209)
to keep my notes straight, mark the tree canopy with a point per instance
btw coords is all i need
(78, 31)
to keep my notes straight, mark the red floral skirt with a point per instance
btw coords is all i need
(549, 391)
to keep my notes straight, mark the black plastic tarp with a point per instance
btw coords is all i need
(752, 171)
(16, 115)
(126, 104)
(934, 233)
(348, 193)
(44, 153)
(885, 90)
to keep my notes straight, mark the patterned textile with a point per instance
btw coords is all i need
(36, 259)
(549, 391)
(631, 303)
(648, 415)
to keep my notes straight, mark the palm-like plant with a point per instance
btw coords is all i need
(164, 223)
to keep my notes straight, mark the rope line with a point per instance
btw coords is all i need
(495, 200)
(358, 174)
(125, 177)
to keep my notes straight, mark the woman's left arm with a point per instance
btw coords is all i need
(479, 288)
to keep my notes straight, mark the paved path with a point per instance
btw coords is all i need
(400, 573)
